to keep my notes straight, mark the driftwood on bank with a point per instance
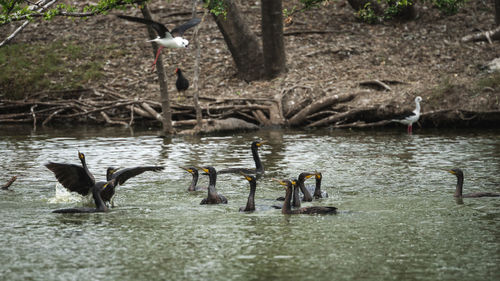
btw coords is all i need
(489, 36)
(219, 114)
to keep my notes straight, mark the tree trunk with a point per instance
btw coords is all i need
(196, 79)
(162, 78)
(272, 38)
(497, 12)
(241, 42)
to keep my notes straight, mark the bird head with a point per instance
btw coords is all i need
(190, 169)
(286, 183)
(248, 177)
(258, 143)
(81, 155)
(456, 171)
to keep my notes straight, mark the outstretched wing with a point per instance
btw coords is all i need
(158, 27)
(179, 30)
(123, 175)
(72, 177)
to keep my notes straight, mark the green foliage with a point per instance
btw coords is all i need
(367, 14)
(28, 68)
(13, 10)
(448, 7)
(395, 8)
(216, 7)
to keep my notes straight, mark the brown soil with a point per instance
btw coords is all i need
(424, 56)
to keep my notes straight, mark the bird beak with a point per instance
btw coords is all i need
(187, 169)
(452, 172)
(203, 169)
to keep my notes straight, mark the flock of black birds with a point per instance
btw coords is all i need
(79, 179)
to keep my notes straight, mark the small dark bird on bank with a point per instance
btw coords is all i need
(182, 84)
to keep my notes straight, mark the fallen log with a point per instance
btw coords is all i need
(342, 116)
(301, 116)
(483, 36)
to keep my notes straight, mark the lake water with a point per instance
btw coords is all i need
(398, 219)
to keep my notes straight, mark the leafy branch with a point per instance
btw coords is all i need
(17, 10)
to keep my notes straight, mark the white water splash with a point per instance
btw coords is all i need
(62, 195)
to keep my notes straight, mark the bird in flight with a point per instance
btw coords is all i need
(166, 38)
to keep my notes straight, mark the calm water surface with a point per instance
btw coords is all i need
(398, 220)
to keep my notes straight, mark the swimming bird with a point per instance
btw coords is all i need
(316, 189)
(287, 210)
(193, 186)
(166, 38)
(97, 189)
(181, 83)
(410, 117)
(80, 180)
(460, 182)
(300, 183)
(298, 187)
(122, 176)
(213, 197)
(259, 168)
(250, 207)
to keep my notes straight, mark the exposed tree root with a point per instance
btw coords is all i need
(489, 36)
(335, 111)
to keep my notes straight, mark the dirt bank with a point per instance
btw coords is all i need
(422, 57)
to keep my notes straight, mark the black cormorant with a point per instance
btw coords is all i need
(460, 182)
(287, 209)
(213, 197)
(250, 207)
(193, 186)
(79, 179)
(259, 168)
(298, 187)
(316, 190)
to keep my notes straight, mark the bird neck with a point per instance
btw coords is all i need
(251, 201)
(212, 192)
(317, 190)
(194, 182)
(307, 194)
(258, 164)
(417, 108)
(286, 209)
(296, 196)
(99, 203)
(460, 184)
